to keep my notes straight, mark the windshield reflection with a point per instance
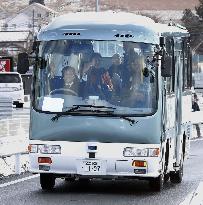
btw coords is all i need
(103, 73)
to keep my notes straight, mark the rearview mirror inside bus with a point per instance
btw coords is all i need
(166, 66)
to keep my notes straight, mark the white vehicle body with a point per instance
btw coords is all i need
(148, 142)
(11, 86)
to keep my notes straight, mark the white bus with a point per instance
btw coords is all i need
(111, 98)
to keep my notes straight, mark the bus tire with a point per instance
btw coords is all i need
(84, 180)
(47, 181)
(70, 179)
(156, 184)
(176, 177)
(166, 177)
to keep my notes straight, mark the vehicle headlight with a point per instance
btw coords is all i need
(49, 149)
(153, 152)
(32, 148)
(135, 152)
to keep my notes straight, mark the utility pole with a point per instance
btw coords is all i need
(97, 5)
(33, 21)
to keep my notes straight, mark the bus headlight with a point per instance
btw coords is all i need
(153, 152)
(49, 149)
(135, 152)
(32, 148)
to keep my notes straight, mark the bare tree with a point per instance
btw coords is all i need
(194, 24)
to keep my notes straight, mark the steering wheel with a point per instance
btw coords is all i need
(63, 91)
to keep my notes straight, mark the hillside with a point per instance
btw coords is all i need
(146, 4)
(126, 5)
(62, 6)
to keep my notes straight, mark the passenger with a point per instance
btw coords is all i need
(93, 85)
(129, 53)
(55, 82)
(86, 61)
(115, 72)
(136, 94)
(70, 81)
(115, 68)
(98, 79)
(85, 69)
(195, 107)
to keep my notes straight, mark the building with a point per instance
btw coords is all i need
(32, 18)
(14, 42)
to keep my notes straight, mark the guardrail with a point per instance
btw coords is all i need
(18, 166)
(6, 107)
(15, 126)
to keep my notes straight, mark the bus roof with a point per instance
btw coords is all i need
(109, 25)
(108, 17)
(173, 30)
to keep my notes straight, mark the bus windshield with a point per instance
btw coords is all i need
(122, 75)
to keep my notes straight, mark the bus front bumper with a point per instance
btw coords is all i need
(108, 161)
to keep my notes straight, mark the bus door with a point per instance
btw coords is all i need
(178, 96)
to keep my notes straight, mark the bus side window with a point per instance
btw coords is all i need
(168, 85)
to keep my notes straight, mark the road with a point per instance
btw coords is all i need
(28, 191)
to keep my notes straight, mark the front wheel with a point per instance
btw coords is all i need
(84, 180)
(70, 179)
(177, 177)
(156, 184)
(47, 181)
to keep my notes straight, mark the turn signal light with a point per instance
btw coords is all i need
(29, 148)
(138, 163)
(46, 160)
(32, 148)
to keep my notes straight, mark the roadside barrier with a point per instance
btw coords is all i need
(5, 107)
(18, 165)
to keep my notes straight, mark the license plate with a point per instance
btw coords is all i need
(94, 167)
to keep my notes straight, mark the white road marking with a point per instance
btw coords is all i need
(197, 139)
(188, 199)
(194, 198)
(18, 180)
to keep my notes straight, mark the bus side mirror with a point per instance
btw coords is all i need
(23, 63)
(166, 66)
(162, 41)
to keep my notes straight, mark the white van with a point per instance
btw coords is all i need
(11, 86)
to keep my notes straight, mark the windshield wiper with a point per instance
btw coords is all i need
(131, 121)
(76, 107)
(106, 112)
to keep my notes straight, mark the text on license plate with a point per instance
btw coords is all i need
(91, 166)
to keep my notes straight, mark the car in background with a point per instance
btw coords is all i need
(11, 86)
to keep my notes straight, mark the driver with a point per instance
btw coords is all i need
(70, 80)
